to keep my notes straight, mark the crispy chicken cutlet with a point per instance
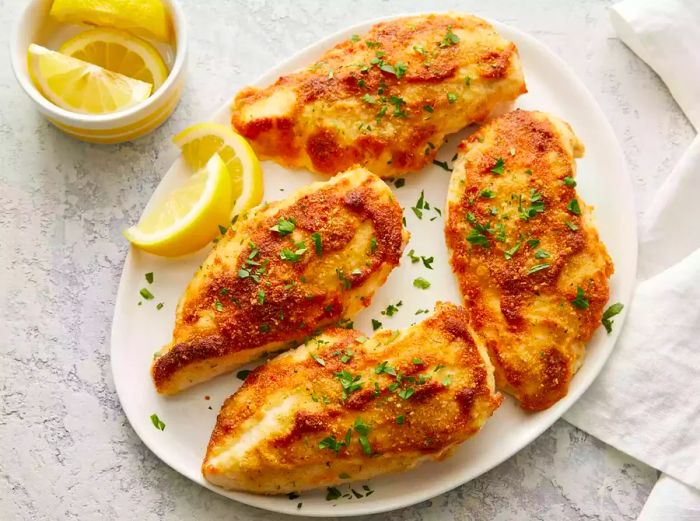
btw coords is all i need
(311, 260)
(385, 99)
(343, 407)
(531, 268)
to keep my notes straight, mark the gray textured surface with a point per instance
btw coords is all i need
(66, 450)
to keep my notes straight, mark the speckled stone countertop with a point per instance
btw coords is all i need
(66, 449)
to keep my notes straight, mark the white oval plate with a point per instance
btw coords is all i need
(140, 330)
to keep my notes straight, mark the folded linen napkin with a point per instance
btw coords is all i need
(646, 401)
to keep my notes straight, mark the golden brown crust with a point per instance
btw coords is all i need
(246, 296)
(352, 107)
(436, 379)
(521, 252)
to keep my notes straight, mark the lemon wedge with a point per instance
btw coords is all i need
(199, 142)
(83, 87)
(120, 52)
(141, 17)
(188, 218)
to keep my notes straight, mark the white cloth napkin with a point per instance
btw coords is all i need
(646, 401)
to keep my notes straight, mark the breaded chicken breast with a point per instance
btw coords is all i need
(291, 267)
(343, 407)
(385, 99)
(531, 268)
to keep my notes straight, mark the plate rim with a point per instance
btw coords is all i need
(555, 412)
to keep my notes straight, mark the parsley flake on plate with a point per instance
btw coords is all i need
(157, 422)
(614, 309)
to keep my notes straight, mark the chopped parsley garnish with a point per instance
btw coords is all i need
(376, 324)
(428, 262)
(159, 306)
(372, 245)
(420, 206)
(500, 234)
(487, 194)
(447, 380)
(264, 328)
(362, 429)
(499, 167)
(223, 230)
(570, 181)
(533, 243)
(399, 182)
(318, 359)
(571, 226)
(442, 164)
(398, 103)
(573, 207)
(345, 282)
(400, 69)
(218, 305)
(347, 356)
(400, 419)
(541, 254)
(380, 114)
(345, 323)
(536, 206)
(355, 38)
(450, 38)
(451, 97)
(478, 234)
(406, 392)
(316, 237)
(157, 423)
(384, 367)
(537, 267)
(467, 81)
(293, 256)
(243, 374)
(349, 382)
(332, 494)
(146, 294)
(614, 309)
(581, 302)
(149, 277)
(417, 361)
(422, 311)
(284, 226)
(261, 296)
(331, 443)
(368, 98)
(508, 254)
(428, 108)
(421, 283)
(392, 309)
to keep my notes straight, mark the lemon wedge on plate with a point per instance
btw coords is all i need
(189, 217)
(142, 17)
(120, 52)
(199, 142)
(83, 87)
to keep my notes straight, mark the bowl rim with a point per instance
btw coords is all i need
(98, 120)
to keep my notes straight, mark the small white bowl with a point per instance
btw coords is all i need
(35, 26)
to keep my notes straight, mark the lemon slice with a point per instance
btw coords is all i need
(118, 51)
(83, 87)
(199, 142)
(142, 17)
(188, 218)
